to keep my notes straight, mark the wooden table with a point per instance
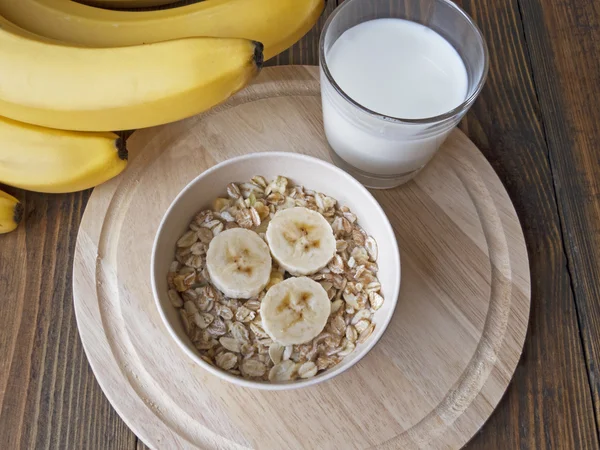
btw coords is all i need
(537, 121)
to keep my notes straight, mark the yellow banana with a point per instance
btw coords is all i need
(278, 24)
(11, 212)
(126, 3)
(12, 28)
(55, 161)
(105, 89)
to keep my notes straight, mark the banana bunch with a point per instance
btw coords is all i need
(276, 23)
(11, 212)
(71, 87)
(70, 74)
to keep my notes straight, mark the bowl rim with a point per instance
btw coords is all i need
(296, 384)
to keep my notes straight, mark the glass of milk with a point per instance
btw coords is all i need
(396, 77)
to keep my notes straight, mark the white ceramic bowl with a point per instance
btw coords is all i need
(310, 172)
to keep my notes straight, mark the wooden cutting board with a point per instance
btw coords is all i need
(433, 379)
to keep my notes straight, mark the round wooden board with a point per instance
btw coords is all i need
(433, 379)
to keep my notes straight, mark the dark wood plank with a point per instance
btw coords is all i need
(49, 397)
(565, 49)
(548, 404)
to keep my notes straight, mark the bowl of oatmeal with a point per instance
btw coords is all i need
(275, 270)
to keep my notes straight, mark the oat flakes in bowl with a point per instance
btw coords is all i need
(230, 334)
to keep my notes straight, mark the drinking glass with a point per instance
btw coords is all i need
(382, 151)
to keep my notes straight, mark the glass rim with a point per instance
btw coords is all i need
(465, 105)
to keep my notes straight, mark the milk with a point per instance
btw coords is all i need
(398, 69)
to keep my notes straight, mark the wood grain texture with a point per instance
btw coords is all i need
(48, 395)
(547, 405)
(565, 48)
(461, 316)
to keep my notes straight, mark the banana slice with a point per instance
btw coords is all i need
(239, 263)
(301, 240)
(295, 311)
